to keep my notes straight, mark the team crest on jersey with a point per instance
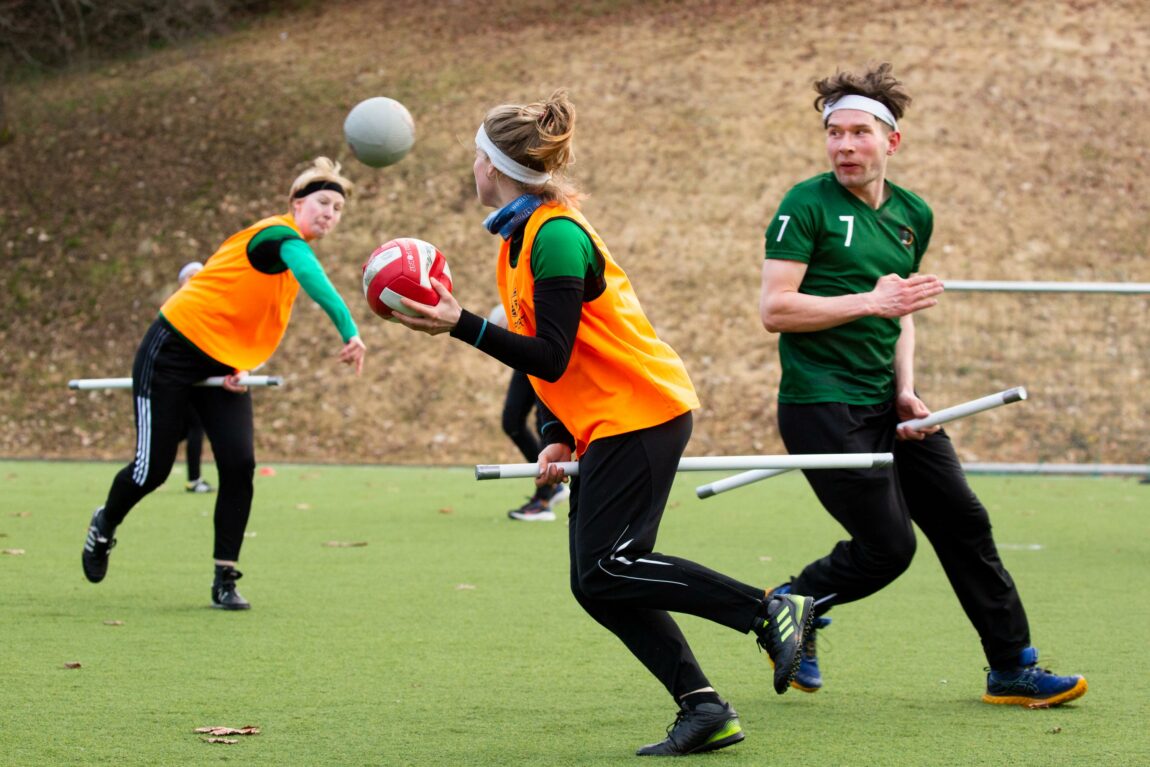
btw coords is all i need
(516, 314)
(906, 236)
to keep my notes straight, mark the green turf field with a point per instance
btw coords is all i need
(450, 637)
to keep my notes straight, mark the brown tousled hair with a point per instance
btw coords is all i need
(877, 83)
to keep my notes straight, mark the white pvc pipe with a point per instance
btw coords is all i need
(1017, 394)
(1069, 469)
(712, 463)
(737, 480)
(1023, 286)
(126, 383)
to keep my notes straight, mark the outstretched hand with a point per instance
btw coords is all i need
(353, 352)
(432, 320)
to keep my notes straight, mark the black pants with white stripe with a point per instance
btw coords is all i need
(617, 503)
(877, 506)
(163, 374)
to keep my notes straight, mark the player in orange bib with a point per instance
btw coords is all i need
(619, 398)
(228, 319)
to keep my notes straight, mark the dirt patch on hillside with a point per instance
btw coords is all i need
(1027, 135)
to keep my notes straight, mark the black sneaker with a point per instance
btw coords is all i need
(783, 633)
(707, 727)
(97, 546)
(224, 594)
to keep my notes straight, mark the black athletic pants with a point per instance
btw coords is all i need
(617, 504)
(876, 506)
(163, 374)
(194, 448)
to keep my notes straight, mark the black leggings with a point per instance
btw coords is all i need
(877, 506)
(521, 400)
(617, 503)
(163, 374)
(194, 447)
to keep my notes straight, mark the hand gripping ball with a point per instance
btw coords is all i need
(403, 267)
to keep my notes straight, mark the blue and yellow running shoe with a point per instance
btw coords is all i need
(1030, 685)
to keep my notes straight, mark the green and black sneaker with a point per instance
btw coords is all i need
(706, 727)
(783, 632)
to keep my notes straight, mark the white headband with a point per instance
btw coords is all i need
(506, 165)
(863, 104)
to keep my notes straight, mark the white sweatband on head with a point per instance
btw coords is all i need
(506, 165)
(863, 104)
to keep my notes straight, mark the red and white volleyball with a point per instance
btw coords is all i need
(403, 267)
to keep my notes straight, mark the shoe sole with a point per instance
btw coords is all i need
(795, 683)
(233, 608)
(1074, 693)
(730, 740)
(92, 577)
(727, 740)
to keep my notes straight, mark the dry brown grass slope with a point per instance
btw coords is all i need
(1028, 135)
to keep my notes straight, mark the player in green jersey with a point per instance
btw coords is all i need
(840, 285)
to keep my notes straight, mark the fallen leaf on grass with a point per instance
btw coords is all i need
(303, 506)
(13, 552)
(1054, 731)
(72, 664)
(465, 587)
(113, 623)
(22, 514)
(344, 544)
(247, 729)
(447, 510)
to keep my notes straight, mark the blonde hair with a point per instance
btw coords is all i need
(539, 136)
(322, 170)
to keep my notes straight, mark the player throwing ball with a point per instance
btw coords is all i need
(620, 399)
(840, 285)
(228, 320)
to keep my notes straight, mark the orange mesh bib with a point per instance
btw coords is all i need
(621, 377)
(230, 311)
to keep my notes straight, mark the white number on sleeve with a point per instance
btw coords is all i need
(850, 228)
(783, 228)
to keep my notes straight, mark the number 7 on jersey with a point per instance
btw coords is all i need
(786, 220)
